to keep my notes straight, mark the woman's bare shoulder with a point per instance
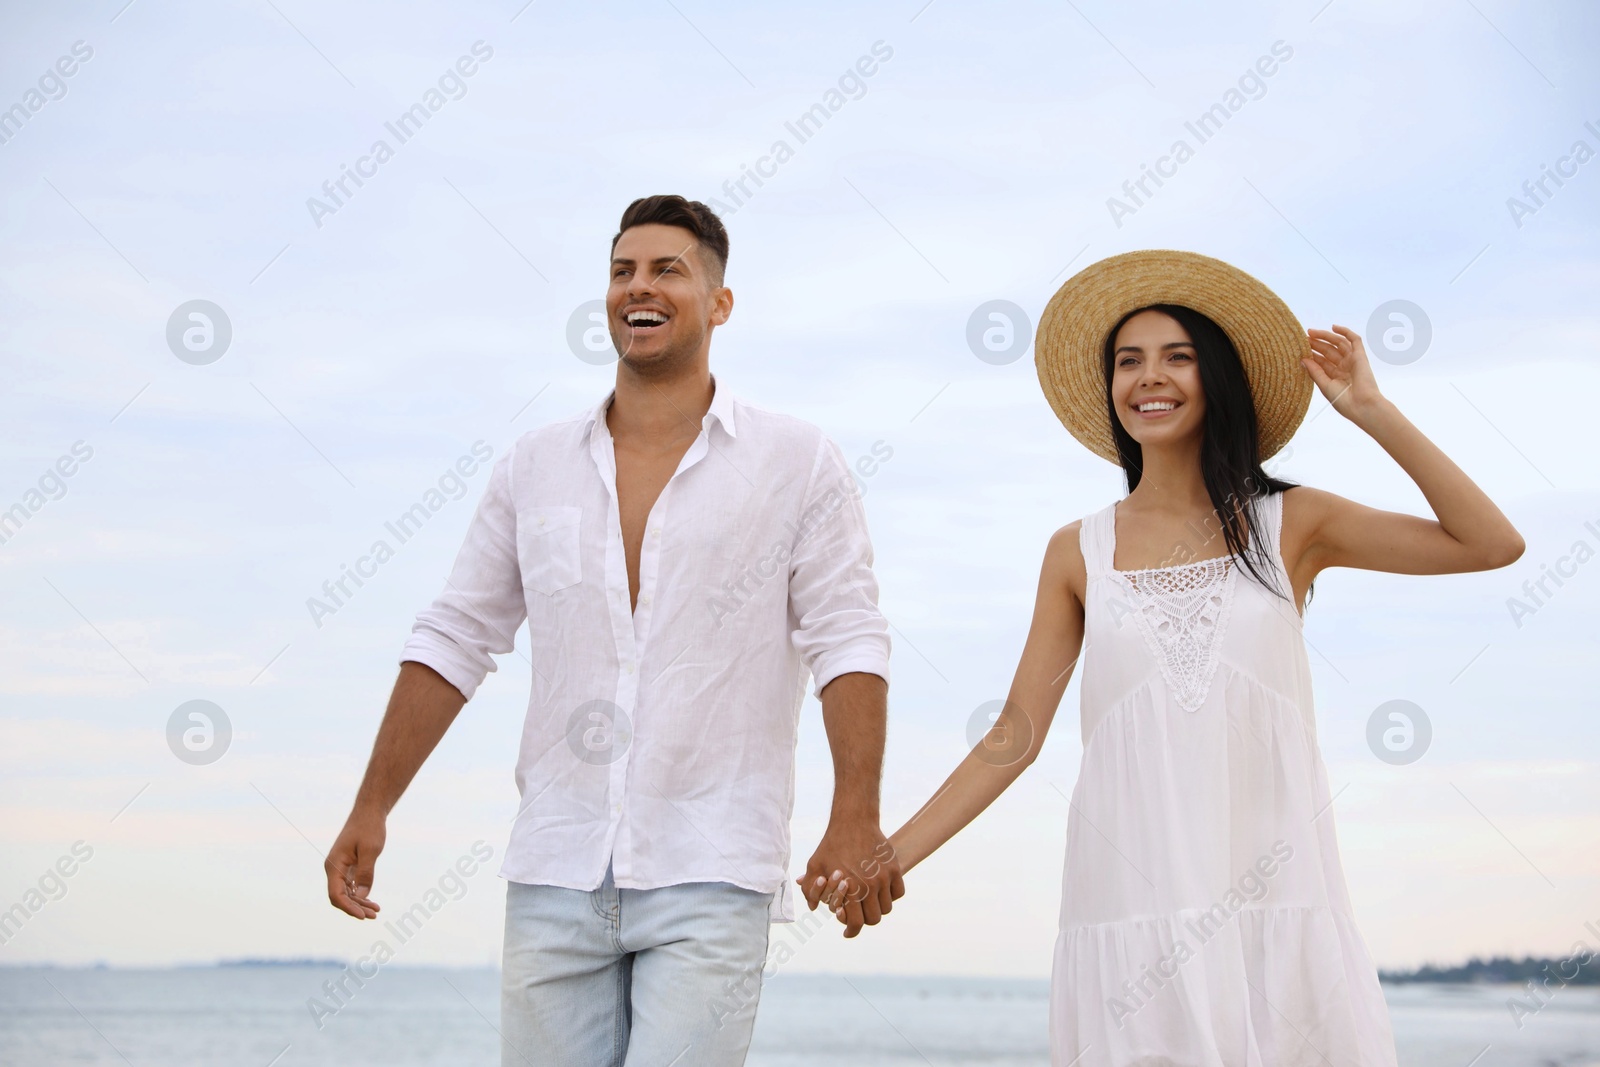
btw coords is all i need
(1063, 560)
(1304, 509)
(1307, 511)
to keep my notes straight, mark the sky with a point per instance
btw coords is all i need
(376, 339)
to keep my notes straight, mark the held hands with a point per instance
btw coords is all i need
(855, 873)
(1338, 365)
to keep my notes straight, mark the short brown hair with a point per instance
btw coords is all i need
(672, 210)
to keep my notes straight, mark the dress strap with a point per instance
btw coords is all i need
(1268, 514)
(1270, 511)
(1095, 540)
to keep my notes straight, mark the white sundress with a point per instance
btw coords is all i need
(1205, 920)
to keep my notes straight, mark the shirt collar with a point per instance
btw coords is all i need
(722, 407)
(721, 410)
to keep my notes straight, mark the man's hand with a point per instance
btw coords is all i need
(350, 862)
(420, 710)
(855, 870)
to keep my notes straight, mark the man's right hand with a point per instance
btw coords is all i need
(350, 862)
(420, 710)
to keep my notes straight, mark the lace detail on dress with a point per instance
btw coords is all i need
(1182, 612)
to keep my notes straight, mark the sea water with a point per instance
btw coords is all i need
(424, 1016)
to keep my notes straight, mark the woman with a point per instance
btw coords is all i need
(1204, 914)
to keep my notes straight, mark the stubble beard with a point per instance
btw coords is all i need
(670, 363)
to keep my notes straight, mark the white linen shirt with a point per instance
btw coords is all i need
(662, 740)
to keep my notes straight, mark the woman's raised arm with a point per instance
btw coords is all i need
(1470, 532)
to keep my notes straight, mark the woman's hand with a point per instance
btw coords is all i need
(1338, 364)
(862, 894)
(848, 899)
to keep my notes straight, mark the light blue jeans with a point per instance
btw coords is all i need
(665, 977)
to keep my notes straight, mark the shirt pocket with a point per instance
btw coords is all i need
(550, 547)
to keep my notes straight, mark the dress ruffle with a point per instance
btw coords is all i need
(1166, 992)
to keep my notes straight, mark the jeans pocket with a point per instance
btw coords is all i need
(550, 547)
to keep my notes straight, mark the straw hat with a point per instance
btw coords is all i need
(1069, 349)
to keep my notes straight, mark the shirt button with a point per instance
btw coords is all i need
(628, 667)
(541, 520)
(644, 600)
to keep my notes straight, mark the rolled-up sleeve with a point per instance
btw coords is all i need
(482, 605)
(832, 590)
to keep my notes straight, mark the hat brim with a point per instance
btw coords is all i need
(1069, 347)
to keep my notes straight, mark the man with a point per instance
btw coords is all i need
(680, 557)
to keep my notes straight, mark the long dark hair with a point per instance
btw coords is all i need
(1230, 448)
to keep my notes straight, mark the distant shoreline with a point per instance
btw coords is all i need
(1502, 970)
